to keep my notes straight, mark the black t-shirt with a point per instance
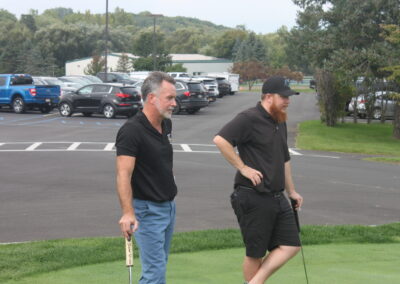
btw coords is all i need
(262, 145)
(152, 177)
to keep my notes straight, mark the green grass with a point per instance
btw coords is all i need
(18, 261)
(372, 139)
(394, 160)
(344, 263)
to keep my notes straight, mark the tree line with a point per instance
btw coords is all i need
(41, 44)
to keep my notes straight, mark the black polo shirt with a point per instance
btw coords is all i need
(262, 145)
(152, 177)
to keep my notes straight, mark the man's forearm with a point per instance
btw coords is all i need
(229, 153)
(289, 184)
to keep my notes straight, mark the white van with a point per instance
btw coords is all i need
(233, 79)
(179, 75)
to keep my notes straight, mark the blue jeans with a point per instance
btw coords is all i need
(153, 237)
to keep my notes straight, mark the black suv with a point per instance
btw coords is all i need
(224, 87)
(190, 96)
(116, 77)
(108, 99)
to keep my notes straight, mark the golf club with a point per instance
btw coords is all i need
(296, 217)
(129, 256)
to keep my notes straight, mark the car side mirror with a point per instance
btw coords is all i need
(114, 80)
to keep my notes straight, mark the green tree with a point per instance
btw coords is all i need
(176, 68)
(95, 66)
(124, 64)
(29, 22)
(143, 64)
(143, 45)
(223, 47)
(250, 49)
(391, 33)
(342, 38)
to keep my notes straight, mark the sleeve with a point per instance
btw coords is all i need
(237, 131)
(127, 143)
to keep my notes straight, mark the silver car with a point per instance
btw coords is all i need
(383, 104)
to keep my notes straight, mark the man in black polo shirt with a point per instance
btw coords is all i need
(145, 181)
(265, 217)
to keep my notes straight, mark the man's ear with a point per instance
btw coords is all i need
(151, 98)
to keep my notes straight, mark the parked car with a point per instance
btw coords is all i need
(233, 79)
(74, 82)
(179, 75)
(18, 92)
(190, 96)
(224, 88)
(211, 86)
(116, 77)
(54, 81)
(108, 99)
(90, 78)
(382, 101)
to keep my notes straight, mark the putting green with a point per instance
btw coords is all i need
(328, 264)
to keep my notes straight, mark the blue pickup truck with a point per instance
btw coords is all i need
(18, 92)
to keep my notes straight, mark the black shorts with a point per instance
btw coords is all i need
(266, 221)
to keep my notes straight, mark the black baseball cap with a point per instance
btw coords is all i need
(278, 85)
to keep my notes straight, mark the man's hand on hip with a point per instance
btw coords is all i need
(252, 174)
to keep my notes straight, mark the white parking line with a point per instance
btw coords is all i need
(33, 146)
(186, 148)
(109, 147)
(293, 152)
(73, 146)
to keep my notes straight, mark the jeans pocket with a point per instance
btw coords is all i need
(141, 208)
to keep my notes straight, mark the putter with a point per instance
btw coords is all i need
(296, 217)
(129, 256)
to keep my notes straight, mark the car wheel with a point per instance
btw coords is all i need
(109, 111)
(45, 109)
(377, 114)
(192, 110)
(87, 114)
(177, 108)
(65, 109)
(18, 105)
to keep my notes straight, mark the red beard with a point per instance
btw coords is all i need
(277, 114)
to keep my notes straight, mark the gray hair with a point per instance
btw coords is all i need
(153, 83)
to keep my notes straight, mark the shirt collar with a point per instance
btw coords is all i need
(263, 111)
(146, 123)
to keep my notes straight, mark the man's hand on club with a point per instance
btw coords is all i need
(128, 224)
(252, 174)
(298, 198)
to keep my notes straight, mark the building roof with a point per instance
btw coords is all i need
(196, 58)
(113, 54)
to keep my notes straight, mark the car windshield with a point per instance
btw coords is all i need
(209, 82)
(53, 81)
(124, 76)
(92, 79)
(129, 91)
(184, 75)
(196, 87)
(22, 80)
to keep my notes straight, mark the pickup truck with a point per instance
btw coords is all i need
(18, 92)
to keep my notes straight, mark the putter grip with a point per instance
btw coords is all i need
(129, 252)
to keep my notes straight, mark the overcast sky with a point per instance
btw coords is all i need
(261, 16)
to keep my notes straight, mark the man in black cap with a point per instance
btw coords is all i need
(265, 217)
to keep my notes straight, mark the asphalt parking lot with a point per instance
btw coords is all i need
(57, 175)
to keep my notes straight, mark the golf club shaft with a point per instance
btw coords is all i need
(296, 217)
